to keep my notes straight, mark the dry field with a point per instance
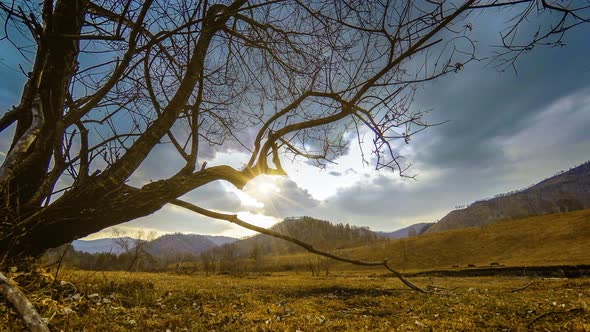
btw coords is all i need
(353, 301)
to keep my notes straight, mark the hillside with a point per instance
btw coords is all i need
(177, 247)
(320, 233)
(544, 240)
(166, 245)
(566, 191)
(412, 230)
(108, 245)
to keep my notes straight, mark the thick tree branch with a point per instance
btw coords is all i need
(8, 118)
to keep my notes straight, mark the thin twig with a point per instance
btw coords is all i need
(574, 310)
(61, 259)
(523, 287)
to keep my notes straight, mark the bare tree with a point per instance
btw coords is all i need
(110, 81)
(316, 264)
(209, 261)
(134, 246)
(257, 255)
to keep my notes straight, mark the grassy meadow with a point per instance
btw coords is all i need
(347, 298)
(118, 301)
(556, 239)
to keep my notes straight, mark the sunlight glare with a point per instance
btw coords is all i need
(262, 186)
(258, 219)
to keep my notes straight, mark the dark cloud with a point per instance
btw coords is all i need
(482, 104)
(552, 139)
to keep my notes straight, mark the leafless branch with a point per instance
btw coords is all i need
(23, 306)
(233, 218)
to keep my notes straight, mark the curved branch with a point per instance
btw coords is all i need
(135, 155)
(22, 305)
(233, 218)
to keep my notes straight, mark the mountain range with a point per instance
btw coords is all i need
(101, 245)
(166, 245)
(176, 247)
(564, 192)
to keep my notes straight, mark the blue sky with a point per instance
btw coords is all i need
(505, 130)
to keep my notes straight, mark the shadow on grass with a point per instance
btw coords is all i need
(342, 292)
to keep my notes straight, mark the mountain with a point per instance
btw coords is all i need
(100, 245)
(412, 230)
(164, 246)
(177, 247)
(566, 191)
(319, 233)
(221, 240)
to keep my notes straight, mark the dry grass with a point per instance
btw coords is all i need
(344, 301)
(556, 239)
(292, 302)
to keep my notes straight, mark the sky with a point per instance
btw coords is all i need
(504, 131)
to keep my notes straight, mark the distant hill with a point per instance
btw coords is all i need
(176, 247)
(165, 246)
(554, 239)
(412, 230)
(108, 245)
(320, 233)
(564, 192)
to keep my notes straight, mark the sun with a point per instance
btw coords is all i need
(262, 186)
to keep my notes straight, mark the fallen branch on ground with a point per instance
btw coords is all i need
(574, 311)
(23, 306)
(233, 218)
(523, 287)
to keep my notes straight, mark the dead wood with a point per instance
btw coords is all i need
(23, 306)
(523, 287)
(550, 313)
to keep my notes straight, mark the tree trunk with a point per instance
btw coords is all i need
(55, 63)
(91, 207)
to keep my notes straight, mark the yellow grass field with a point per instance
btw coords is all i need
(349, 298)
(117, 301)
(556, 239)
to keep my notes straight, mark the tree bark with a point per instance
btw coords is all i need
(55, 63)
(90, 208)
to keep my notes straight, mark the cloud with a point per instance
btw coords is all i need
(285, 199)
(553, 138)
(215, 196)
(482, 104)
